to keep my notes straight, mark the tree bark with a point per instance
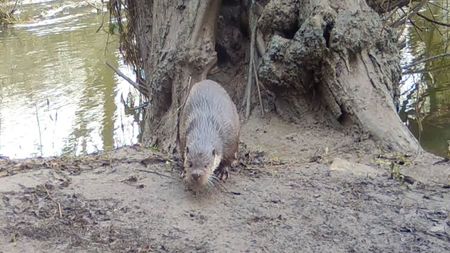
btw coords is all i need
(341, 51)
(176, 42)
(333, 55)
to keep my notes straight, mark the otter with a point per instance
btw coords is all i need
(209, 134)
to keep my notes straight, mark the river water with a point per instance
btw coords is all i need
(58, 97)
(425, 104)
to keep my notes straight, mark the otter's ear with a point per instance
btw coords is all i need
(214, 152)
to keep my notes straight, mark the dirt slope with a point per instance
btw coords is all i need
(289, 200)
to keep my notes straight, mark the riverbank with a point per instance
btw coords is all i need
(301, 188)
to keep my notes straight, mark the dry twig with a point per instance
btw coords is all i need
(155, 172)
(56, 202)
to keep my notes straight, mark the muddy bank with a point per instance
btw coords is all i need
(295, 193)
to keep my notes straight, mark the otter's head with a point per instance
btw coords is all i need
(199, 166)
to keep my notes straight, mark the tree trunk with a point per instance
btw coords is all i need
(334, 58)
(340, 50)
(176, 42)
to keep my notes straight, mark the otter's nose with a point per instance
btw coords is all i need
(196, 176)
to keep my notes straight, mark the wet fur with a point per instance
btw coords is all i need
(210, 121)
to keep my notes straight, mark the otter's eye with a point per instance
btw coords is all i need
(187, 149)
(214, 152)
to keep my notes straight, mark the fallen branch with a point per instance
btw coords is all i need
(137, 86)
(431, 58)
(156, 173)
(433, 21)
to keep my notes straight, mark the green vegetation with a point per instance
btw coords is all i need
(7, 10)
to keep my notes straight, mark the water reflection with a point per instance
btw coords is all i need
(57, 96)
(426, 107)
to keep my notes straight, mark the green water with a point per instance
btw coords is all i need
(57, 96)
(426, 91)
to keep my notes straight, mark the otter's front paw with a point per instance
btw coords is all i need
(222, 173)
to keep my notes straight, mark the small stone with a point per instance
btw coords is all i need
(438, 228)
(358, 169)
